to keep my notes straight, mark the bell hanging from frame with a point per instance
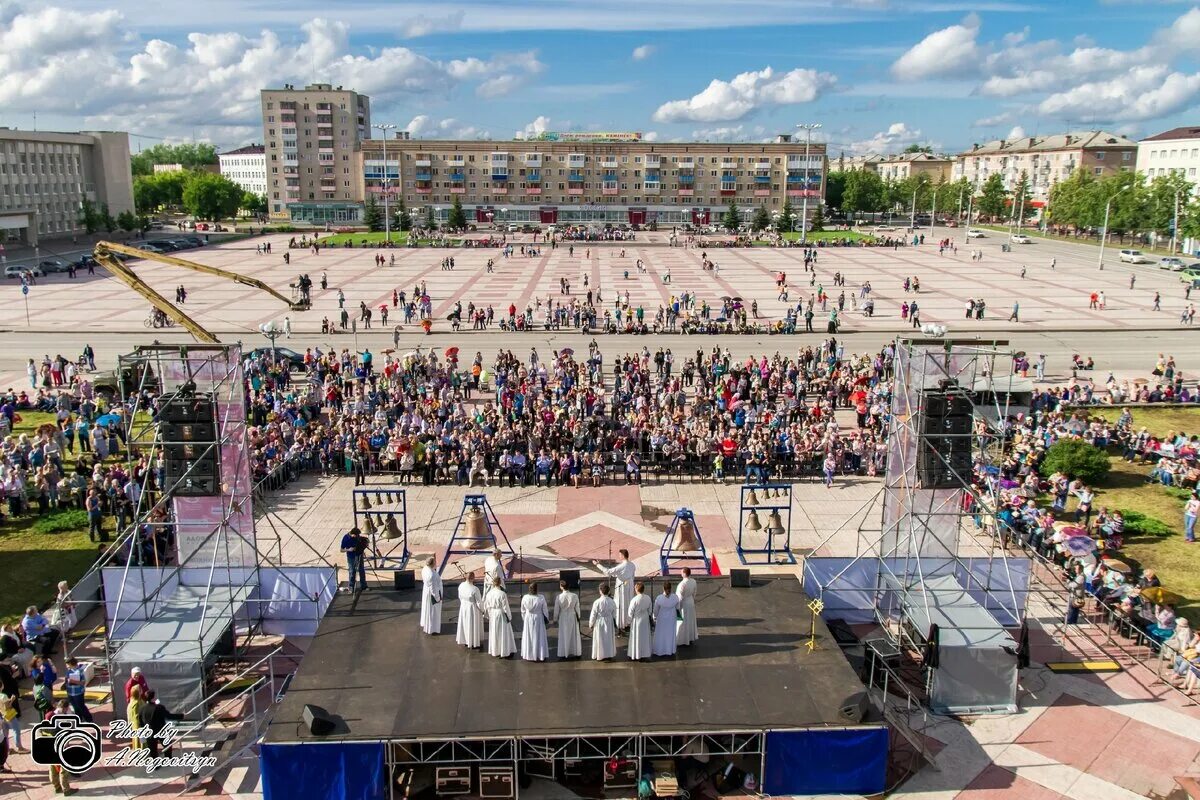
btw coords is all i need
(752, 498)
(476, 529)
(685, 535)
(753, 523)
(366, 504)
(369, 526)
(390, 529)
(775, 523)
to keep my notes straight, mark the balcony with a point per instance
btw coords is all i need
(424, 176)
(500, 176)
(575, 191)
(793, 192)
(797, 162)
(423, 161)
(499, 188)
(609, 190)
(457, 177)
(575, 177)
(533, 159)
(424, 189)
(653, 161)
(728, 163)
(686, 163)
(651, 188)
(291, 161)
(762, 178)
(499, 158)
(762, 192)
(685, 192)
(455, 161)
(458, 190)
(533, 190)
(762, 165)
(608, 162)
(576, 160)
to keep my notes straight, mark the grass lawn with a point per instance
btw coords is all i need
(369, 237)
(1125, 488)
(818, 236)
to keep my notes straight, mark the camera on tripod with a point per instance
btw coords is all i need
(66, 742)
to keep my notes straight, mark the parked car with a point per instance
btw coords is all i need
(1020, 238)
(195, 240)
(16, 271)
(1134, 257)
(50, 265)
(1171, 262)
(151, 247)
(294, 360)
(975, 233)
(1190, 273)
(85, 261)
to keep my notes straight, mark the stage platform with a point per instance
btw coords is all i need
(372, 668)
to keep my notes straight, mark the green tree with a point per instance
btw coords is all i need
(209, 196)
(128, 221)
(917, 148)
(992, 198)
(106, 219)
(864, 192)
(731, 219)
(817, 223)
(1070, 199)
(152, 192)
(373, 215)
(403, 220)
(90, 217)
(190, 155)
(457, 220)
(1020, 199)
(1160, 196)
(1128, 211)
(1076, 458)
(254, 203)
(787, 217)
(430, 219)
(761, 220)
(835, 189)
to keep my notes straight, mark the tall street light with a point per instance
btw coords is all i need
(808, 128)
(387, 217)
(1104, 230)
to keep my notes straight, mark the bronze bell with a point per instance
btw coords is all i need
(752, 498)
(366, 504)
(774, 523)
(754, 523)
(477, 530)
(388, 498)
(685, 535)
(369, 526)
(390, 529)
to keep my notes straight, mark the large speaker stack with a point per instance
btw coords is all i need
(188, 428)
(944, 460)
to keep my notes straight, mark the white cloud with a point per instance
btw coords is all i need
(650, 136)
(1141, 94)
(422, 25)
(424, 126)
(1002, 118)
(539, 126)
(1017, 132)
(728, 133)
(895, 138)
(642, 52)
(209, 81)
(731, 100)
(950, 51)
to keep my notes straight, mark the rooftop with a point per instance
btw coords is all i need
(1059, 141)
(248, 150)
(1186, 132)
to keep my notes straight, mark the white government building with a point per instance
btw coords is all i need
(247, 167)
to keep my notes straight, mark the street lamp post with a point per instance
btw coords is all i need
(808, 128)
(967, 227)
(1175, 224)
(387, 217)
(1104, 230)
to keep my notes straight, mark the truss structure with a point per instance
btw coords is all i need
(669, 554)
(468, 541)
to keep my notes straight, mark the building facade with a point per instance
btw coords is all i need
(45, 177)
(1174, 151)
(312, 138)
(1047, 160)
(900, 166)
(247, 167)
(593, 179)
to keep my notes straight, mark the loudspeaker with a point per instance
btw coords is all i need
(404, 579)
(854, 709)
(739, 578)
(318, 721)
(571, 576)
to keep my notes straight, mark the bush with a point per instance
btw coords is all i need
(61, 521)
(1138, 524)
(1076, 458)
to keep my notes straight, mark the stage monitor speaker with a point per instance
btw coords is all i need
(739, 578)
(854, 709)
(318, 721)
(452, 781)
(404, 579)
(571, 576)
(620, 773)
(497, 782)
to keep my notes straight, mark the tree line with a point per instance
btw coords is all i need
(194, 189)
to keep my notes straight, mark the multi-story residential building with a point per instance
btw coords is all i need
(1046, 159)
(311, 141)
(45, 177)
(900, 166)
(1173, 151)
(594, 179)
(247, 167)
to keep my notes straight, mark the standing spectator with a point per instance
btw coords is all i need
(1190, 511)
(136, 680)
(10, 706)
(154, 715)
(60, 779)
(76, 686)
(95, 516)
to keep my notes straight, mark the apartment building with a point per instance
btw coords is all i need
(900, 166)
(594, 178)
(1173, 151)
(1047, 159)
(46, 176)
(247, 167)
(311, 140)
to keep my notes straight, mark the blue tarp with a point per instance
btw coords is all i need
(826, 761)
(333, 771)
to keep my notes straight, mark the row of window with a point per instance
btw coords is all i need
(1156, 171)
(417, 199)
(1175, 153)
(814, 161)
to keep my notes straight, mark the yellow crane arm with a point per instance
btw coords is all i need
(113, 247)
(124, 274)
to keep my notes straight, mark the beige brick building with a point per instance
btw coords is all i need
(1047, 159)
(593, 178)
(900, 166)
(311, 138)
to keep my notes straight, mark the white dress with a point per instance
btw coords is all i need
(534, 615)
(665, 606)
(470, 615)
(501, 642)
(566, 614)
(686, 631)
(603, 622)
(492, 568)
(639, 627)
(623, 574)
(431, 600)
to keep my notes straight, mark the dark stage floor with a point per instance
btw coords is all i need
(372, 668)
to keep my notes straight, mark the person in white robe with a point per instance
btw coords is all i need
(534, 616)
(431, 598)
(603, 622)
(665, 607)
(566, 616)
(639, 624)
(686, 630)
(493, 568)
(470, 614)
(622, 574)
(501, 642)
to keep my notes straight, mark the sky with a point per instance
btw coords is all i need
(877, 75)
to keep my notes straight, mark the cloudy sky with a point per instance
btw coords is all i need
(877, 74)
